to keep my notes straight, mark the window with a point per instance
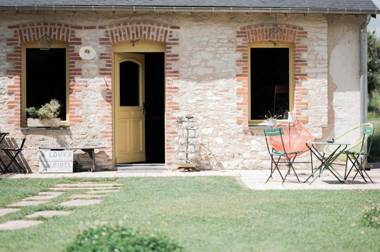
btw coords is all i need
(45, 77)
(129, 84)
(271, 78)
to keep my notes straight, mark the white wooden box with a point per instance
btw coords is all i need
(56, 161)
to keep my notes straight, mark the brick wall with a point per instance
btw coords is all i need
(206, 76)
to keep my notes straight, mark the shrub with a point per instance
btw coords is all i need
(374, 102)
(116, 238)
(32, 112)
(371, 216)
(48, 111)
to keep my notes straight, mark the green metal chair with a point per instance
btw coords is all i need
(279, 157)
(357, 154)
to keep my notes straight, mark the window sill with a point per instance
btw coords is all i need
(258, 126)
(61, 127)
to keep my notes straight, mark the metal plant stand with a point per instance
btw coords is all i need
(186, 143)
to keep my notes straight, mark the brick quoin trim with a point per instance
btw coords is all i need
(280, 33)
(25, 33)
(158, 33)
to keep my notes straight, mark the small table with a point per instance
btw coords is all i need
(326, 159)
(89, 150)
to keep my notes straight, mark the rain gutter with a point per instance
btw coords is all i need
(363, 57)
(190, 9)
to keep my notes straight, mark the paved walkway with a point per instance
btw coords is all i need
(252, 179)
(257, 180)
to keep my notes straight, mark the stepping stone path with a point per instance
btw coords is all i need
(25, 203)
(5, 211)
(80, 202)
(48, 214)
(94, 194)
(18, 224)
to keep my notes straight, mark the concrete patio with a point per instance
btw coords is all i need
(252, 179)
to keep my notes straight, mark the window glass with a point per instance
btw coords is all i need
(129, 84)
(269, 82)
(46, 77)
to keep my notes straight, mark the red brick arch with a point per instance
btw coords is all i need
(276, 33)
(54, 31)
(141, 31)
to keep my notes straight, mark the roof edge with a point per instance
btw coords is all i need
(192, 9)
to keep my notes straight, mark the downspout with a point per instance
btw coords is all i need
(363, 70)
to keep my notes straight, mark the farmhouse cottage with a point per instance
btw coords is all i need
(127, 72)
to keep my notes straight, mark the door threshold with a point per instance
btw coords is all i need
(141, 167)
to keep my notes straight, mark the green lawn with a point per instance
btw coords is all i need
(206, 214)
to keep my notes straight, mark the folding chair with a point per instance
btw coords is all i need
(279, 157)
(12, 153)
(357, 155)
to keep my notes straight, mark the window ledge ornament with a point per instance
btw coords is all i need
(87, 53)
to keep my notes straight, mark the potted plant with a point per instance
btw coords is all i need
(271, 119)
(46, 116)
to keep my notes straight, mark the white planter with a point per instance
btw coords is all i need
(43, 123)
(271, 122)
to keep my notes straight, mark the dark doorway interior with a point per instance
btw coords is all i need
(269, 82)
(155, 107)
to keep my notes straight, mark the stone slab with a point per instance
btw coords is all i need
(25, 203)
(81, 188)
(87, 196)
(87, 184)
(51, 193)
(41, 197)
(5, 211)
(18, 224)
(80, 202)
(48, 214)
(102, 191)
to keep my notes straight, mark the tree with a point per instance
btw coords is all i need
(373, 62)
(374, 72)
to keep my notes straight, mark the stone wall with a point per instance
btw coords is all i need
(206, 76)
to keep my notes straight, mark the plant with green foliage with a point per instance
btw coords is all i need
(48, 111)
(117, 238)
(371, 216)
(32, 112)
(374, 72)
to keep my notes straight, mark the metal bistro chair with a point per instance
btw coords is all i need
(357, 155)
(12, 153)
(279, 157)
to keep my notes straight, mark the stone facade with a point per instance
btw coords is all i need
(206, 76)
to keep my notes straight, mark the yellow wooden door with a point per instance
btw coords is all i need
(129, 108)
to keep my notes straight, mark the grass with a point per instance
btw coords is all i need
(208, 214)
(375, 151)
